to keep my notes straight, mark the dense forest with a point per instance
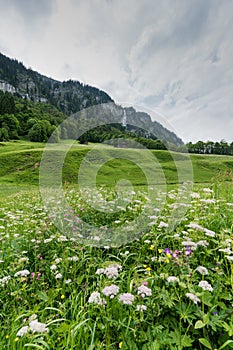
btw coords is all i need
(23, 119)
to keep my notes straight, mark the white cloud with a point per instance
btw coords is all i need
(172, 56)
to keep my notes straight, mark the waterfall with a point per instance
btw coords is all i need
(124, 120)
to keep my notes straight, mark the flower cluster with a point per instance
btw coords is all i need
(144, 291)
(126, 298)
(205, 286)
(34, 326)
(111, 271)
(111, 291)
(95, 298)
(202, 270)
(193, 297)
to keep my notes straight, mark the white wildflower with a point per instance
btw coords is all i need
(193, 297)
(111, 272)
(171, 279)
(53, 267)
(207, 190)
(195, 195)
(73, 258)
(189, 243)
(47, 240)
(209, 232)
(162, 224)
(68, 281)
(141, 308)
(126, 298)
(229, 257)
(62, 239)
(100, 271)
(225, 250)
(202, 270)
(38, 327)
(205, 286)
(144, 291)
(58, 276)
(203, 243)
(22, 273)
(208, 201)
(4, 280)
(95, 298)
(32, 317)
(58, 260)
(22, 331)
(111, 291)
(195, 226)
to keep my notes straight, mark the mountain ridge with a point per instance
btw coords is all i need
(72, 96)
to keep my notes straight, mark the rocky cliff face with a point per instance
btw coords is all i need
(71, 96)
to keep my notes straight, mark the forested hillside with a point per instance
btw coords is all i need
(41, 103)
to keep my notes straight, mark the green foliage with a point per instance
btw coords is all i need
(35, 122)
(7, 103)
(60, 276)
(211, 147)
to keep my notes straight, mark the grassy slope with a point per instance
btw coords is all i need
(19, 165)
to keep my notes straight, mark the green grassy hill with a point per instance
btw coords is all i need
(20, 161)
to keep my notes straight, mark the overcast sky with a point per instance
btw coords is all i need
(174, 57)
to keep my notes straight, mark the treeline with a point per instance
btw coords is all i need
(118, 136)
(210, 147)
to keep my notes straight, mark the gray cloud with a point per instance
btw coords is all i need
(172, 56)
(30, 10)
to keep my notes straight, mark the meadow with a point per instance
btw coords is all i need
(168, 287)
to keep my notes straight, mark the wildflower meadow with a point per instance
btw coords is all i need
(163, 290)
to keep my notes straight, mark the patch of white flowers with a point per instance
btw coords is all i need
(205, 286)
(4, 280)
(111, 291)
(22, 273)
(172, 279)
(126, 298)
(111, 271)
(95, 298)
(34, 326)
(144, 291)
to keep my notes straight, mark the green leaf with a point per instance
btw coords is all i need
(34, 346)
(42, 342)
(186, 341)
(56, 321)
(199, 324)
(42, 295)
(181, 340)
(205, 342)
(225, 344)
